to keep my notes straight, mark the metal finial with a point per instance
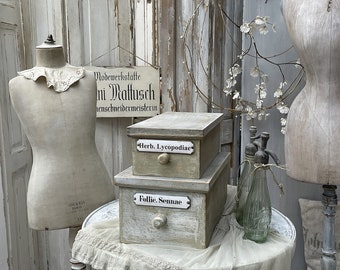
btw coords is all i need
(49, 40)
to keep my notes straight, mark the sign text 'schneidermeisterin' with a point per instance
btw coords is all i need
(127, 91)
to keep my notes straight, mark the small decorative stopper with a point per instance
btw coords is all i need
(252, 132)
(251, 147)
(261, 156)
(49, 40)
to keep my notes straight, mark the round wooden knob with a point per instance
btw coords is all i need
(159, 221)
(164, 158)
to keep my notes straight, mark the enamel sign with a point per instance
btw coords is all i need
(165, 146)
(180, 202)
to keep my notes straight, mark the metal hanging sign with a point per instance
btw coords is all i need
(127, 91)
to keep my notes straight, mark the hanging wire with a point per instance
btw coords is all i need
(125, 50)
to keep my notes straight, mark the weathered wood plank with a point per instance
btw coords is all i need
(75, 34)
(183, 59)
(125, 32)
(144, 32)
(200, 62)
(168, 53)
(16, 160)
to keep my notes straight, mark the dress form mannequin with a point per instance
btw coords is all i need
(56, 105)
(312, 141)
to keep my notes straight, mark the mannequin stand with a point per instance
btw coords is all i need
(329, 201)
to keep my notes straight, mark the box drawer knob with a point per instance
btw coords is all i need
(159, 221)
(163, 158)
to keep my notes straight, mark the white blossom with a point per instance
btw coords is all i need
(257, 88)
(263, 93)
(260, 90)
(245, 28)
(236, 94)
(262, 115)
(235, 70)
(265, 78)
(278, 93)
(263, 30)
(283, 108)
(282, 84)
(228, 91)
(250, 114)
(230, 83)
(283, 130)
(262, 23)
(259, 20)
(259, 103)
(283, 121)
(255, 72)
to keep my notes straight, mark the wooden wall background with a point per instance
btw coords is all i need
(191, 43)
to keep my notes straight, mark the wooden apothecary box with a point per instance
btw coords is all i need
(175, 144)
(181, 211)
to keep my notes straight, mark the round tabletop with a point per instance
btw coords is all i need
(279, 222)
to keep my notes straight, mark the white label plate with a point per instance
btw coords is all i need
(156, 200)
(165, 146)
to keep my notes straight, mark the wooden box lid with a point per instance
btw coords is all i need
(176, 124)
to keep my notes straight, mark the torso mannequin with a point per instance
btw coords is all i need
(68, 179)
(312, 140)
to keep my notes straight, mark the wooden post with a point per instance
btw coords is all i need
(329, 201)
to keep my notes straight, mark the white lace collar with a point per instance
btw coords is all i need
(58, 78)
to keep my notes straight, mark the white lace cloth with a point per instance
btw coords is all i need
(98, 245)
(59, 78)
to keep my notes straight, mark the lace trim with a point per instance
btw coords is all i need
(91, 249)
(58, 78)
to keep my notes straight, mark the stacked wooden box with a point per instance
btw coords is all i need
(176, 188)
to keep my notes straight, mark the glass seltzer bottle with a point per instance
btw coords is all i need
(245, 180)
(257, 211)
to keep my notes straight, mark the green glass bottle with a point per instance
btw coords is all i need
(245, 180)
(257, 212)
